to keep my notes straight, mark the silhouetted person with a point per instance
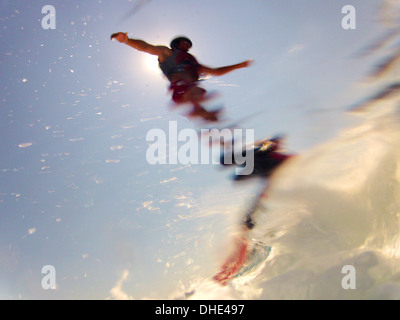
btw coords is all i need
(182, 70)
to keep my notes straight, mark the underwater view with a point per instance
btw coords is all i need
(109, 190)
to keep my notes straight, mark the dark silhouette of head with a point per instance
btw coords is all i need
(181, 43)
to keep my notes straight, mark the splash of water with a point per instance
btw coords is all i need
(334, 206)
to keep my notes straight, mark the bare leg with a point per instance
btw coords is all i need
(196, 96)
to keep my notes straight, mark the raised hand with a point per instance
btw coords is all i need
(120, 36)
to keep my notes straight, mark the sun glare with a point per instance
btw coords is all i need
(151, 64)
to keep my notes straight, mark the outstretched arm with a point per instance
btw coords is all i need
(140, 44)
(224, 70)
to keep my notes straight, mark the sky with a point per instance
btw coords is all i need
(76, 190)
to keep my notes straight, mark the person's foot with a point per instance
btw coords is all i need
(206, 115)
(212, 116)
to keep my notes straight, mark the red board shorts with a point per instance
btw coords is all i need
(180, 88)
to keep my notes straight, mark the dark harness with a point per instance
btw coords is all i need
(180, 61)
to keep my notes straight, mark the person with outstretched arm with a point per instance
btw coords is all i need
(182, 70)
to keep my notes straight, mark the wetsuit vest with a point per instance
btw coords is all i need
(180, 61)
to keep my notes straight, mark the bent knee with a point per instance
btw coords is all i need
(195, 93)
